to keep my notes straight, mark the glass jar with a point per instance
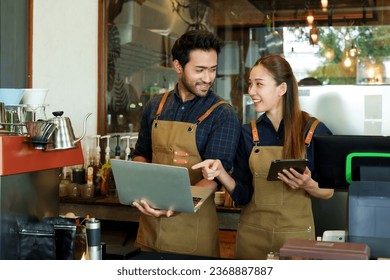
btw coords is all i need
(87, 190)
(78, 177)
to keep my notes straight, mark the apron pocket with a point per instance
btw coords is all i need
(179, 233)
(162, 155)
(254, 242)
(268, 193)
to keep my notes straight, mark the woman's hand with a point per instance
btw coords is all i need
(144, 207)
(211, 168)
(296, 180)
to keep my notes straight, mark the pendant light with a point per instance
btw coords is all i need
(324, 5)
(314, 35)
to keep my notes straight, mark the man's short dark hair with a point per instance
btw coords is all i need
(194, 40)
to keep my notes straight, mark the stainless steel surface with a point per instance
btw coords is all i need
(63, 137)
(40, 131)
(15, 117)
(94, 239)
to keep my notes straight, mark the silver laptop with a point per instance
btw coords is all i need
(162, 186)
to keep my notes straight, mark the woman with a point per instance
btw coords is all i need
(274, 211)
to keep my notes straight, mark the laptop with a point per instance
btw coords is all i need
(164, 187)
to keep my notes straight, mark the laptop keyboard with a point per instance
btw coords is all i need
(196, 200)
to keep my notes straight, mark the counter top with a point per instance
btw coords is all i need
(109, 208)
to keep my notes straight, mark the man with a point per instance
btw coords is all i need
(184, 127)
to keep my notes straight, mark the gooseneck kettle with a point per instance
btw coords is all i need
(63, 137)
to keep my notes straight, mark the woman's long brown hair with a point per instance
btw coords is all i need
(294, 118)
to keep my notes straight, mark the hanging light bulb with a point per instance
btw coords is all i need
(324, 5)
(314, 36)
(310, 17)
(329, 54)
(347, 60)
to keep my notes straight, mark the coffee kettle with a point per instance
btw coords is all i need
(63, 137)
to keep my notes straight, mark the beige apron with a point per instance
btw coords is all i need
(275, 213)
(174, 143)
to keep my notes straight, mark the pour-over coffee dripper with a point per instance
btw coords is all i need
(34, 99)
(40, 132)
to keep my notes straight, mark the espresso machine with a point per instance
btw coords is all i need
(29, 180)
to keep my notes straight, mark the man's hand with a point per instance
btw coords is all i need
(144, 207)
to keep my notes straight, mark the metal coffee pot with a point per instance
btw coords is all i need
(63, 137)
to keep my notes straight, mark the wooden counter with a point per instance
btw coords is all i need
(110, 209)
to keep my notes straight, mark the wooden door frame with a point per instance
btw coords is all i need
(102, 67)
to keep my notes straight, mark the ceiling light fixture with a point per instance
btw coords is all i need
(347, 60)
(314, 36)
(324, 5)
(329, 54)
(310, 17)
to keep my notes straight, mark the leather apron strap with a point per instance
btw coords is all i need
(313, 122)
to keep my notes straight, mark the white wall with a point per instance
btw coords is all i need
(349, 109)
(65, 58)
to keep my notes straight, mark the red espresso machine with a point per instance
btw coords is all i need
(29, 185)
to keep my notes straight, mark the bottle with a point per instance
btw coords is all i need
(78, 179)
(88, 190)
(106, 168)
(117, 147)
(111, 184)
(127, 149)
(65, 182)
(87, 154)
(97, 165)
(95, 171)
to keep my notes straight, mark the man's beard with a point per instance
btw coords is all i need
(193, 89)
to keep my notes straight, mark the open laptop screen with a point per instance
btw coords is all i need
(162, 186)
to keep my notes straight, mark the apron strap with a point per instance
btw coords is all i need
(255, 134)
(313, 122)
(210, 110)
(311, 125)
(161, 105)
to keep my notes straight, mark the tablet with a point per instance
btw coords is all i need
(280, 164)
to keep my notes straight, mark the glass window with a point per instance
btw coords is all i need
(343, 46)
